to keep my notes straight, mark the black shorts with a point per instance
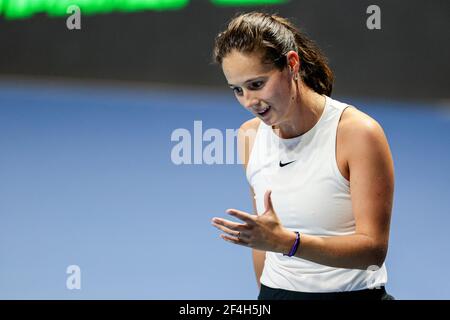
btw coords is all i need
(267, 293)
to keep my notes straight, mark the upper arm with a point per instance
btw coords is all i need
(371, 181)
(246, 137)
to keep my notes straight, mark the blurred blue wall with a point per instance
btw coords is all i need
(86, 179)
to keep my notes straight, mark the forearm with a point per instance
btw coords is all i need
(356, 251)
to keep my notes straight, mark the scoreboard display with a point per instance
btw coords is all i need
(19, 9)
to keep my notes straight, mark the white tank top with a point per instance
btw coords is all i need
(310, 196)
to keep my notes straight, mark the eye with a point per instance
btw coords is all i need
(235, 90)
(255, 86)
(258, 84)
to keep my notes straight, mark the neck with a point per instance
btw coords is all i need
(302, 115)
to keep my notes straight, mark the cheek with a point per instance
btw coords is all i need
(279, 92)
(278, 97)
(267, 95)
(286, 95)
(271, 94)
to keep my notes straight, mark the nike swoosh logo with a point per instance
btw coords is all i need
(285, 164)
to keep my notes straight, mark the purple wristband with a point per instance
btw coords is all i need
(295, 246)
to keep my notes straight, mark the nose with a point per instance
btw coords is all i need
(249, 100)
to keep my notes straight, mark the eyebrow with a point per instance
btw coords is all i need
(249, 80)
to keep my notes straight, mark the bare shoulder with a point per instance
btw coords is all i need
(354, 119)
(361, 136)
(246, 138)
(251, 124)
(355, 122)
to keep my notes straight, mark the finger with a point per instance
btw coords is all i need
(234, 240)
(268, 200)
(230, 224)
(244, 216)
(227, 230)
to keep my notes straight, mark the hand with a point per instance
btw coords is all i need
(264, 232)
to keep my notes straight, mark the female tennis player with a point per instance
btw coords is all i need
(320, 171)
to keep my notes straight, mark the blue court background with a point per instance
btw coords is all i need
(86, 179)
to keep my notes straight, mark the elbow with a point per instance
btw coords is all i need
(373, 255)
(376, 264)
(377, 257)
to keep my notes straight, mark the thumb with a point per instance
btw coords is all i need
(268, 200)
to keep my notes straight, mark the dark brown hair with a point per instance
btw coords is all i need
(273, 37)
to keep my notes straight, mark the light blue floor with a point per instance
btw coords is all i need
(86, 179)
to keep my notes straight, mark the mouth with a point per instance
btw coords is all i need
(265, 111)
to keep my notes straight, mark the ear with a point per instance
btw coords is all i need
(293, 62)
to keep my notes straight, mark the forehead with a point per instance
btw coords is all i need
(239, 67)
